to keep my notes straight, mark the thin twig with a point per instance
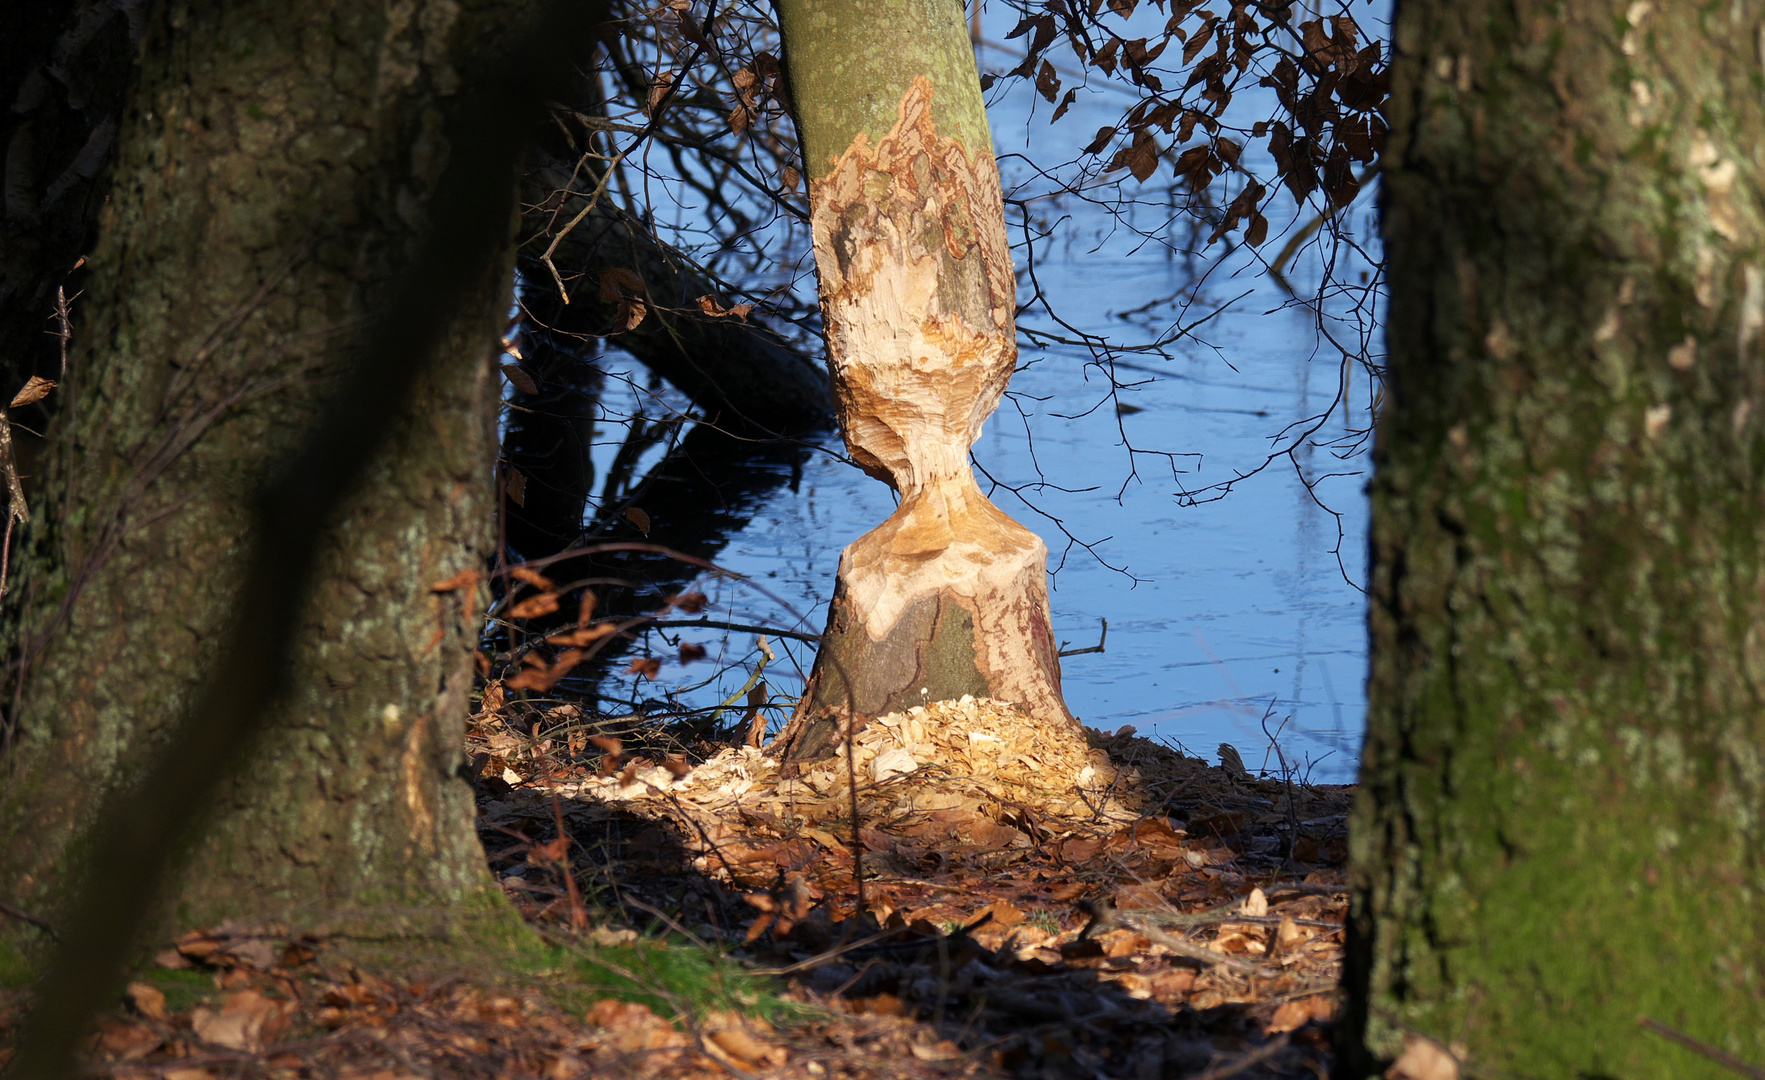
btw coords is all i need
(1102, 638)
(740, 628)
(1716, 1054)
(578, 916)
(1254, 1058)
(24, 916)
(1105, 915)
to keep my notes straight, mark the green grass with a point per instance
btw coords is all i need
(182, 989)
(670, 975)
(16, 969)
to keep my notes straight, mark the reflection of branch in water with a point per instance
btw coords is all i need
(548, 438)
(703, 491)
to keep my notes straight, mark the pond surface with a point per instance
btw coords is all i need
(1230, 619)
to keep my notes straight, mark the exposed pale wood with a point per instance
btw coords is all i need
(948, 596)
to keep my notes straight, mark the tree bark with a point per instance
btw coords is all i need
(272, 171)
(1559, 822)
(949, 595)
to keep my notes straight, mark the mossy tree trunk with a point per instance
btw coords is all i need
(949, 595)
(271, 174)
(1559, 824)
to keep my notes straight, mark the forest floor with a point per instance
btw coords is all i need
(1162, 918)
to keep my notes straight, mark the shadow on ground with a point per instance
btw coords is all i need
(1199, 936)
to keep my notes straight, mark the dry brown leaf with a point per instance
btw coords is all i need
(1120, 943)
(34, 390)
(647, 666)
(1004, 913)
(515, 485)
(539, 676)
(465, 579)
(587, 635)
(747, 1049)
(247, 1019)
(993, 835)
(172, 960)
(533, 578)
(1288, 936)
(1423, 1059)
(942, 1050)
(517, 375)
(690, 651)
(1295, 1014)
(692, 603)
(638, 517)
(147, 1000)
(790, 178)
(658, 91)
(1173, 982)
(534, 606)
(124, 1040)
(199, 944)
(1080, 849)
(1134, 896)
(615, 279)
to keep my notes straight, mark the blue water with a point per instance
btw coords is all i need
(1232, 616)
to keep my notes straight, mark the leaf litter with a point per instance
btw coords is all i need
(1031, 907)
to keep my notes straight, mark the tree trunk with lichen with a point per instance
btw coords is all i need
(271, 174)
(1559, 823)
(949, 595)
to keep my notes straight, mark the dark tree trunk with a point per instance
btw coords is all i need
(1559, 825)
(271, 171)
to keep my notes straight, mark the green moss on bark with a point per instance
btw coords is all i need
(859, 90)
(1558, 827)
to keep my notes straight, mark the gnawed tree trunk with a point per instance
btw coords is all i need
(1559, 823)
(270, 178)
(949, 595)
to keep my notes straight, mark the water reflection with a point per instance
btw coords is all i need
(1231, 618)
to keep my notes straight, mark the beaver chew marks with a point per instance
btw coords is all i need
(948, 596)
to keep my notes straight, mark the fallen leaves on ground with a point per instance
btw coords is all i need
(1036, 908)
(1158, 918)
